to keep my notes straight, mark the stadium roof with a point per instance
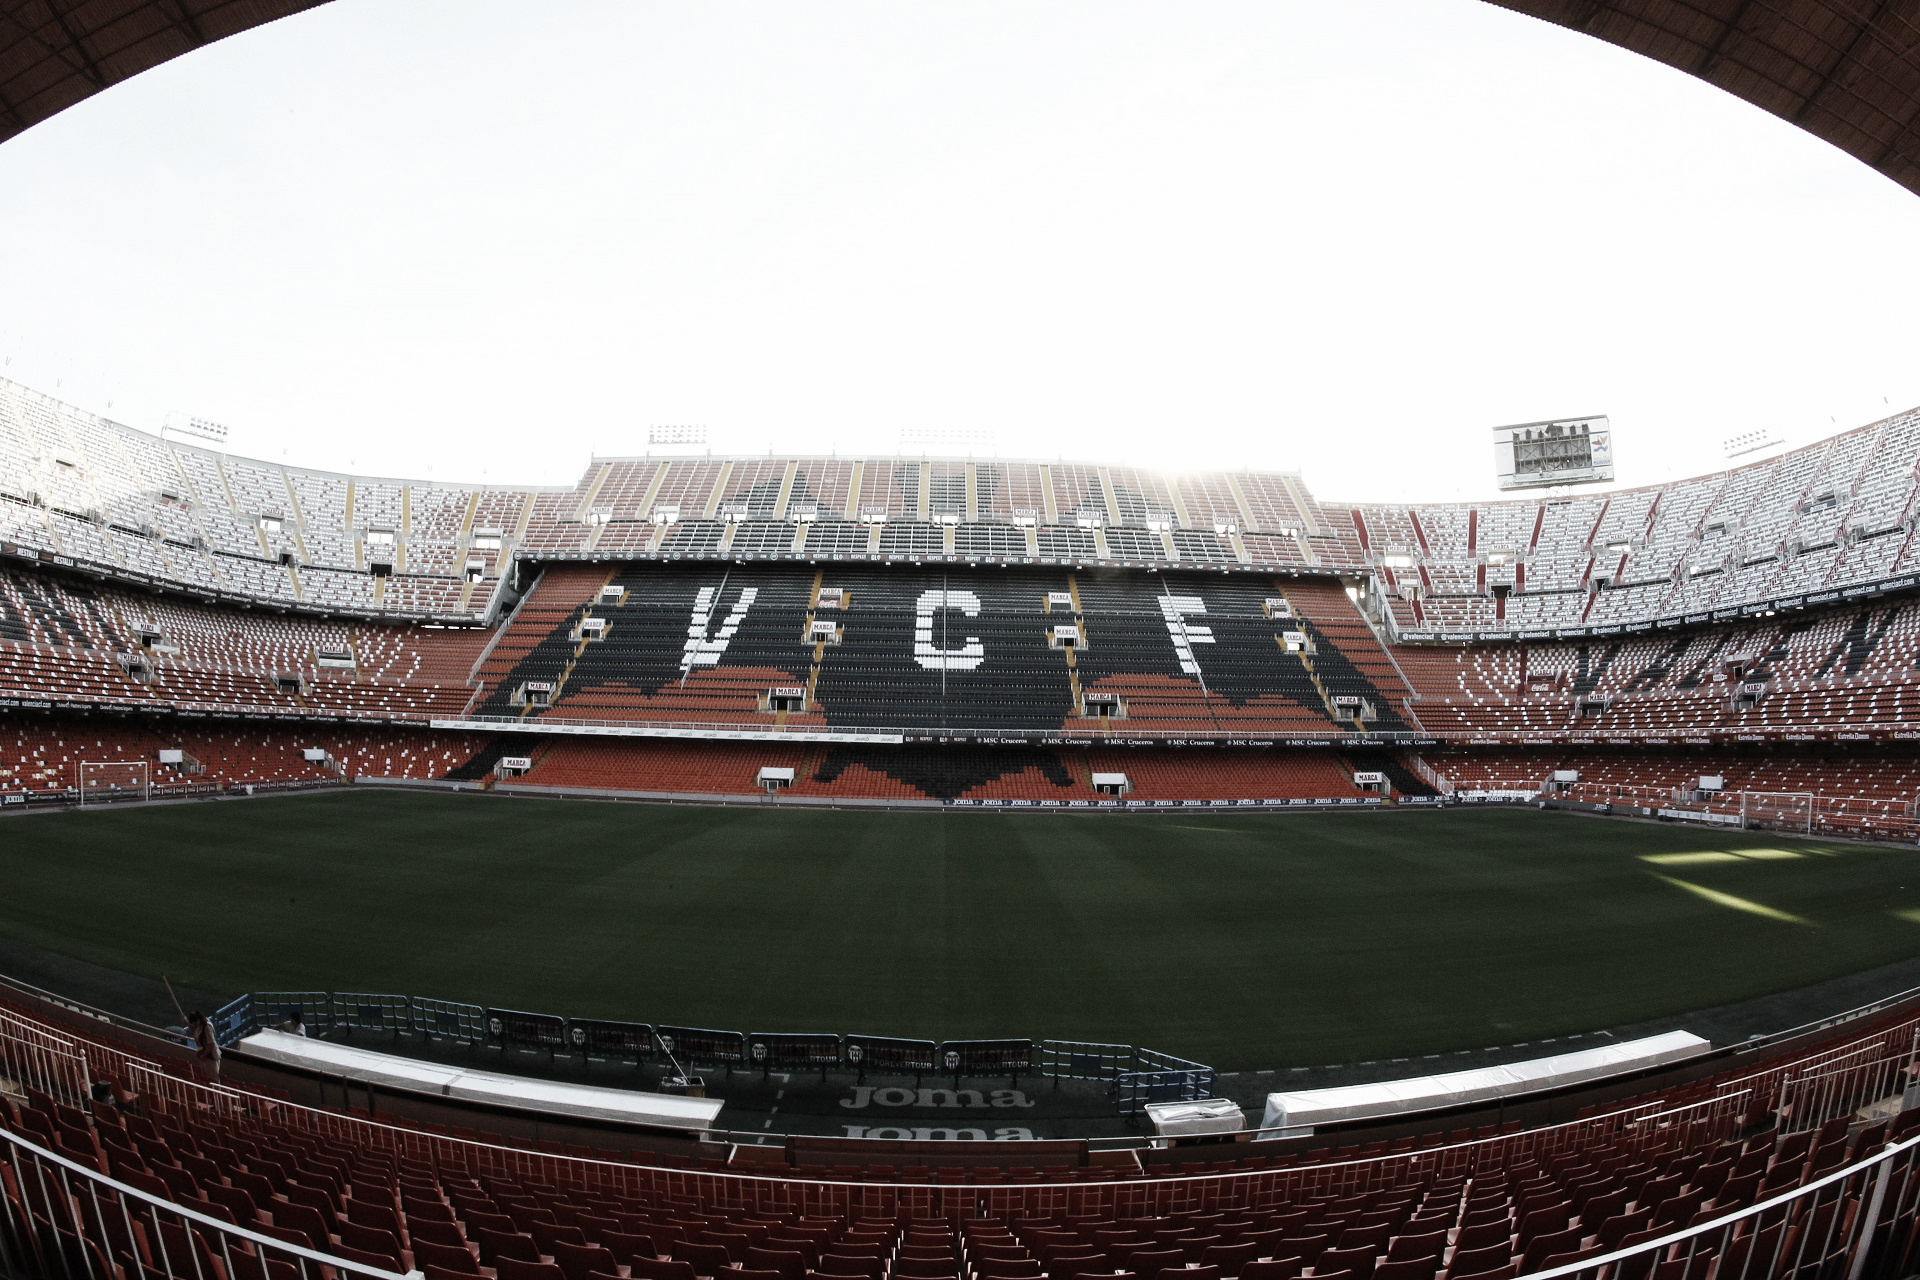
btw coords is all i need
(54, 53)
(1847, 71)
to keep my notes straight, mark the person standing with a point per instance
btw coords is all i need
(206, 1045)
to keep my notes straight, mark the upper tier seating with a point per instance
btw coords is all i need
(126, 502)
(1830, 515)
(65, 638)
(1838, 671)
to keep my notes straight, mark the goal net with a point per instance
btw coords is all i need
(102, 781)
(1779, 810)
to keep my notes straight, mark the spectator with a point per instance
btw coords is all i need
(206, 1045)
(293, 1026)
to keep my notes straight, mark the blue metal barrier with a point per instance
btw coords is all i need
(357, 1011)
(1161, 1077)
(234, 1022)
(449, 1019)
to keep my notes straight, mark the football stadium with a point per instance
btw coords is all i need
(887, 866)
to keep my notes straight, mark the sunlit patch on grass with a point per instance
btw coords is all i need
(1706, 856)
(1687, 859)
(1735, 903)
(1911, 914)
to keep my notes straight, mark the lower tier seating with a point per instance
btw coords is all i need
(385, 1192)
(1861, 789)
(1868, 790)
(40, 756)
(952, 772)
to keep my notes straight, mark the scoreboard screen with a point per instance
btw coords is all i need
(1535, 455)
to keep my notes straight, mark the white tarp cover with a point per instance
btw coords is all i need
(387, 1071)
(1187, 1119)
(768, 773)
(1311, 1107)
(1109, 779)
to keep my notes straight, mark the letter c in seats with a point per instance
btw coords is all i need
(965, 658)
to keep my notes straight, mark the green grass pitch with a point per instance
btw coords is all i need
(1241, 940)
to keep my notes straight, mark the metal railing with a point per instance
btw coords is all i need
(363, 1011)
(1670, 1122)
(1854, 1223)
(1843, 1086)
(36, 1057)
(1083, 1059)
(1161, 1077)
(1857, 1222)
(60, 1220)
(1137, 1076)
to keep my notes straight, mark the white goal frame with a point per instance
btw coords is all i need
(102, 781)
(1780, 810)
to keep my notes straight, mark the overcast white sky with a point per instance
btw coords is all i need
(473, 239)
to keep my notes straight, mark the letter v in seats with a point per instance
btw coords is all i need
(704, 645)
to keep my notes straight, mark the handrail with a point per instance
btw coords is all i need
(192, 1215)
(1650, 1124)
(1884, 1157)
(1858, 1233)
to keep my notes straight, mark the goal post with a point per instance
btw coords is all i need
(102, 781)
(1779, 810)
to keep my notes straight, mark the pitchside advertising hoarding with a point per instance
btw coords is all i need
(1540, 455)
